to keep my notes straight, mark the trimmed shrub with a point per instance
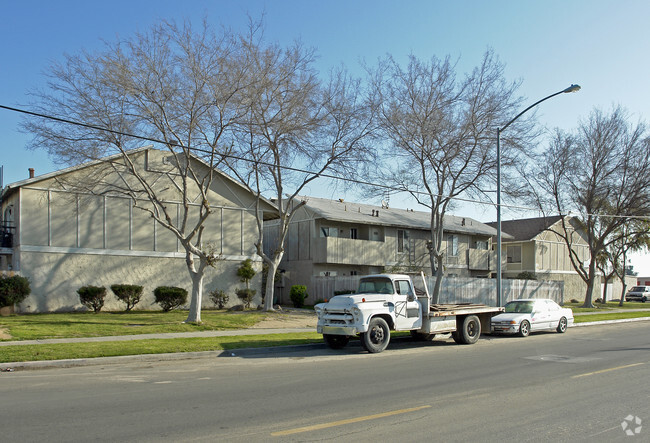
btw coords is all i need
(219, 298)
(128, 294)
(298, 295)
(92, 297)
(13, 289)
(526, 275)
(246, 296)
(170, 297)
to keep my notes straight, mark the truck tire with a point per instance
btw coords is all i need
(469, 331)
(377, 337)
(336, 341)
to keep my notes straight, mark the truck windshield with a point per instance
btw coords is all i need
(520, 306)
(375, 286)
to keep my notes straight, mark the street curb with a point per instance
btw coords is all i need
(610, 322)
(98, 361)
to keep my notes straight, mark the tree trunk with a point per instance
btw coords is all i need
(270, 282)
(435, 295)
(194, 314)
(590, 286)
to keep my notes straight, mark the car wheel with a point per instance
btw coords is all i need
(336, 341)
(643, 300)
(377, 337)
(469, 330)
(562, 325)
(524, 328)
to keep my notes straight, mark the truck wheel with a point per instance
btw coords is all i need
(336, 341)
(524, 328)
(470, 330)
(377, 337)
(562, 325)
(456, 336)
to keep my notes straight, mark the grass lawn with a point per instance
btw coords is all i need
(62, 351)
(604, 307)
(89, 324)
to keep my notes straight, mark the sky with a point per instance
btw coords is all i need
(602, 45)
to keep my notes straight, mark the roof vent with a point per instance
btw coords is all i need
(31, 172)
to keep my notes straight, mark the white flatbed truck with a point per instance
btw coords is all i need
(388, 302)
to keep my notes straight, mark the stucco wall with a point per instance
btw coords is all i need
(55, 279)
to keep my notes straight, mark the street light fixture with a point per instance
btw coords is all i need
(572, 88)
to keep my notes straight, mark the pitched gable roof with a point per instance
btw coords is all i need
(527, 228)
(348, 212)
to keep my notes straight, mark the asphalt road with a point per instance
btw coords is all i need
(578, 386)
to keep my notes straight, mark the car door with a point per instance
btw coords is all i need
(408, 311)
(539, 317)
(554, 314)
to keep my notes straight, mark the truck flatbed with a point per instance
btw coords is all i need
(439, 310)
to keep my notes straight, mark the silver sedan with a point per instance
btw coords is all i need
(529, 315)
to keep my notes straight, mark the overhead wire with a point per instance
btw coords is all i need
(289, 168)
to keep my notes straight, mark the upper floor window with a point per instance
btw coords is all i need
(514, 253)
(402, 240)
(326, 231)
(354, 234)
(452, 245)
(482, 245)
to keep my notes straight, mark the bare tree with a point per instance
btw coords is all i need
(441, 134)
(173, 84)
(601, 174)
(297, 128)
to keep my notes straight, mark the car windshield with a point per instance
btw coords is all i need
(638, 289)
(524, 307)
(375, 286)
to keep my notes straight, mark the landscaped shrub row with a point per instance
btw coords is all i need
(168, 297)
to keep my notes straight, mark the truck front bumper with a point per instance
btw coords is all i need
(337, 330)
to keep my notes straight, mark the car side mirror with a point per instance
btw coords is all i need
(411, 297)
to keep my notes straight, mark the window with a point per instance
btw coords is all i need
(354, 234)
(514, 254)
(354, 272)
(402, 240)
(482, 245)
(452, 245)
(403, 287)
(326, 231)
(328, 273)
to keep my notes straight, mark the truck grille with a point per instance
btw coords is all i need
(337, 318)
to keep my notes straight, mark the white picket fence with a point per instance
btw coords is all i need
(453, 290)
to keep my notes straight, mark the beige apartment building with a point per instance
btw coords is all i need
(63, 237)
(340, 238)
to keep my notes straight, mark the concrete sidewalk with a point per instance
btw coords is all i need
(230, 333)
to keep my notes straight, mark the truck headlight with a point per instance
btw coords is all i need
(356, 311)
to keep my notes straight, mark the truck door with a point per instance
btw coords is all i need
(408, 311)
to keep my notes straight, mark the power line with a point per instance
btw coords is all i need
(289, 168)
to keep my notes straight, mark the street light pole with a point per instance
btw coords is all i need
(572, 88)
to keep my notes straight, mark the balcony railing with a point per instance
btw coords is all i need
(351, 251)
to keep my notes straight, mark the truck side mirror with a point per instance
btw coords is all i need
(411, 297)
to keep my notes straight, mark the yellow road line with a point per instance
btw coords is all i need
(608, 370)
(346, 422)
